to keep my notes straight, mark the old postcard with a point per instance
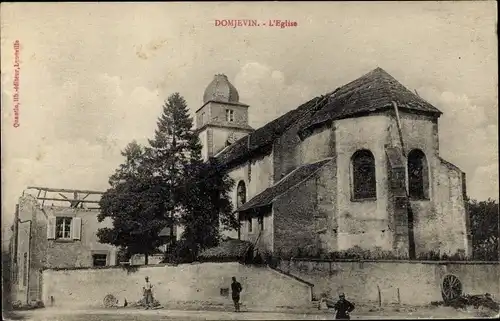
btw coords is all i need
(231, 160)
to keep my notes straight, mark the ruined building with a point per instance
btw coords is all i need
(55, 228)
(359, 166)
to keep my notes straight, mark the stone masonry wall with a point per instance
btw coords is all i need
(205, 282)
(44, 253)
(418, 283)
(294, 219)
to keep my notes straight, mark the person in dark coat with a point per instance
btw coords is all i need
(235, 293)
(343, 308)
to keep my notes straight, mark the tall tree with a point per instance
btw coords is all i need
(131, 167)
(134, 204)
(206, 205)
(172, 152)
(484, 217)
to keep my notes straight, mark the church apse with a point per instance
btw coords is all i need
(434, 188)
(362, 195)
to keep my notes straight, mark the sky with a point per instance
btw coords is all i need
(93, 76)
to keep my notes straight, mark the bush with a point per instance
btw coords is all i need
(272, 261)
(123, 255)
(357, 253)
(180, 252)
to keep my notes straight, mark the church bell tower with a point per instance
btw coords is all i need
(222, 119)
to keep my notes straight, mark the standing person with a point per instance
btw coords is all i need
(235, 292)
(148, 293)
(343, 308)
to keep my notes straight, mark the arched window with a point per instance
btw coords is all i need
(418, 175)
(241, 194)
(363, 175)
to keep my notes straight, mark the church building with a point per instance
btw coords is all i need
(358, 166)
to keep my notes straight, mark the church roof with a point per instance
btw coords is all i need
(266, 134)
(268, 196)
(372, 92)
(220, 89)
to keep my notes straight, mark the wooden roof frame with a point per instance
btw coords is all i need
(75, 201)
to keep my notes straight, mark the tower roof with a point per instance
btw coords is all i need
(220, 89)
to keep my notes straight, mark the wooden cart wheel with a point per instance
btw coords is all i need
(110, 301)
(451, 288)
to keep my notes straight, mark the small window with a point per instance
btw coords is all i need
(363, 175)
(241, 192)
(229, 115)
(99, 259)
(418, 175)
(63, 227)
(250, 227)
(202, 120)
(224, 291)
(261, 223)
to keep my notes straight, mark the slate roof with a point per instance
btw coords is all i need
(371, 92)
(266, 134)
(230, 249)
(220, 89)
(268, 195)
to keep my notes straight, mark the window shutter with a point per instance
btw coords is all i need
(76, 228)
(51, 228)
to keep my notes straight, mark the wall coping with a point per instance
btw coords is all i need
(291, 276)
(394, 261)
(135, 267)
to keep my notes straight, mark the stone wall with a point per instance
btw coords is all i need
(217, 113)
(417, 283)
(294, 219)
(257, 174)
(202, 282)
(45, 253)
(363, 223)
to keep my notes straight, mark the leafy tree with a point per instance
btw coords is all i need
(133, 203)
(166, 183)
(205, 206)
(484, 217)
(172, 152)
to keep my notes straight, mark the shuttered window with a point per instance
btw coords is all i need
(51, 228)
(63, 227)
(76, 228)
